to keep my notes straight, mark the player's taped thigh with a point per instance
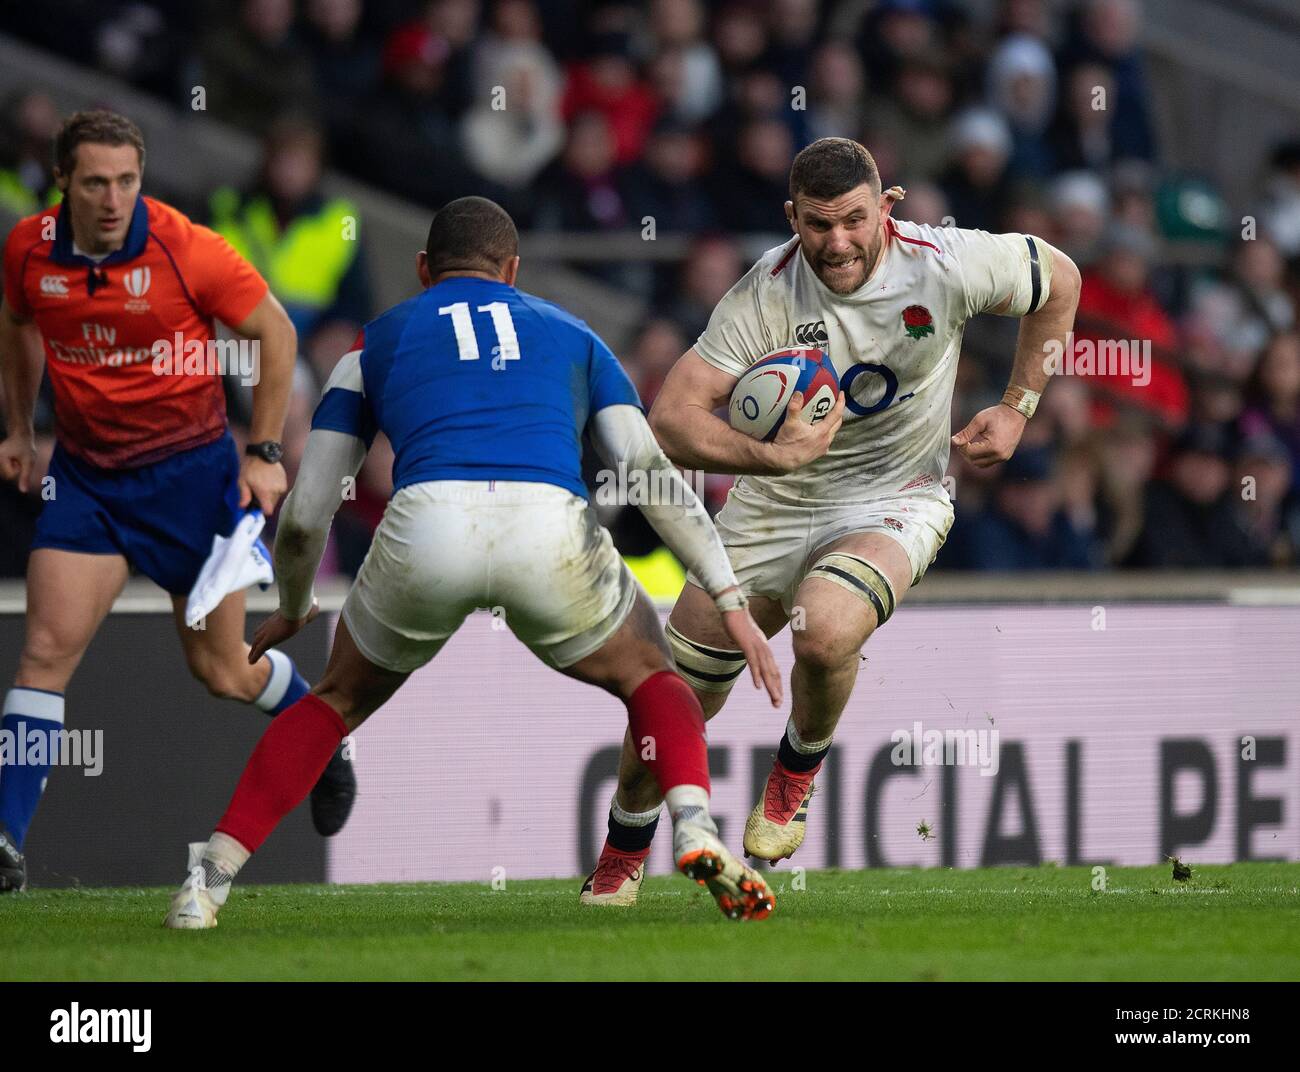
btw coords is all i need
(702, 667)
(865, 580)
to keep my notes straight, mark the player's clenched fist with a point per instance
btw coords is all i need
(17, 456)
(991, 436)
(798, 443)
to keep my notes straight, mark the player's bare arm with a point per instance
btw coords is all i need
(21, 361)
(684, 421)
(269, 325)
(993, 434)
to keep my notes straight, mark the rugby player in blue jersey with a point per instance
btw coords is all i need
(485, 393)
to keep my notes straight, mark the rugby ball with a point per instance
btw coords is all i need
(762, 395)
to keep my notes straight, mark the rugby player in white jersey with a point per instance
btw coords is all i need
(829, 525)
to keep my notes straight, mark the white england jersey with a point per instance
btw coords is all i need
(894, 343)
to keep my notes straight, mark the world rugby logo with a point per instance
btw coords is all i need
(137, 282)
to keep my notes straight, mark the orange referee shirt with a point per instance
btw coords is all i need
(105, 324)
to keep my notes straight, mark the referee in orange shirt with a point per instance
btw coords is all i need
(145, 470)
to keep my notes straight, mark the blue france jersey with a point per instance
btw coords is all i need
(475, 380)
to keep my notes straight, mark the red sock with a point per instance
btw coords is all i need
(665, 710)
(286, 763)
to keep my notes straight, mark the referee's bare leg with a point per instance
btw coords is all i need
(69, 593)
(68, 596)
(217, 654)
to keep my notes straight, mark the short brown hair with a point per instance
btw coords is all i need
(99, 127)
(471, 234)
(831, 167)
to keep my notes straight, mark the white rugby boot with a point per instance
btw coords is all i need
(740, 891)
(194, 907)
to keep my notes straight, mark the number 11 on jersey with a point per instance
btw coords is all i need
(507, 348)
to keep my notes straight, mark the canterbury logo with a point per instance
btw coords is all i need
(136, 282)
(810, 334)
(54, 284)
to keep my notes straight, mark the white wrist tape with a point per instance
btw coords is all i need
(732, 599)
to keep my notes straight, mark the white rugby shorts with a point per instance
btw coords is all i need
(534, 554)
(771, 543)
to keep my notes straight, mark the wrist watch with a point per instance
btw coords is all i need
(268, 450)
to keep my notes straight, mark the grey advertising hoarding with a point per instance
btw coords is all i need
(171, 757)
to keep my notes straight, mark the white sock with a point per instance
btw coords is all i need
(277, 684)
(222, 858)
(633, 818)
(804, 748)
(688, 804)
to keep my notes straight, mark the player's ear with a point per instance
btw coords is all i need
(422, 269)
(789, 215)
(887, 200)
(61, 180)
(511, 271)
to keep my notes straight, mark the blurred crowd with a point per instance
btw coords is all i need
(591, 117)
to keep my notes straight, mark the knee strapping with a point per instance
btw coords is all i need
(702, 667)
(860, 577)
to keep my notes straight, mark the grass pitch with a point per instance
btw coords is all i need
(1237, 922)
